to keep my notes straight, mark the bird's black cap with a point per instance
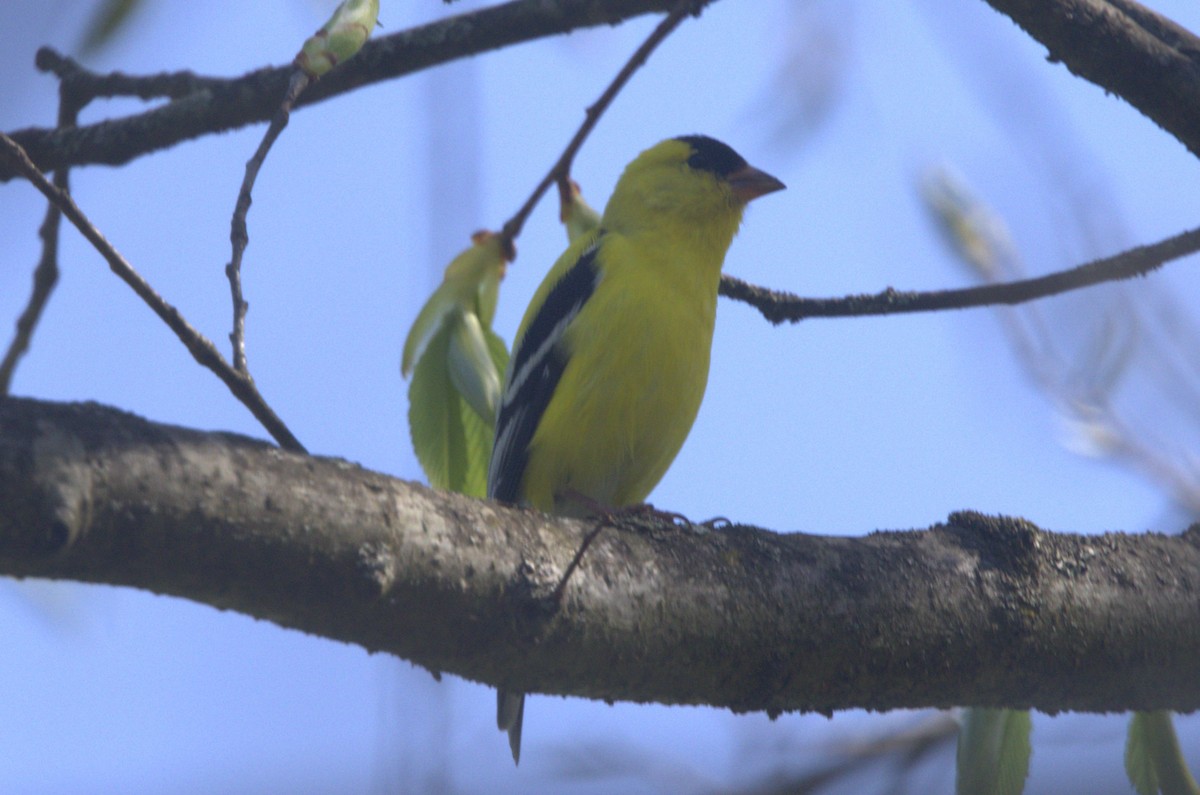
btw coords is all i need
(709, 154)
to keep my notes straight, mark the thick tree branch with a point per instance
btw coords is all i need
(1125, 48)
(220, 105)
(977, 611)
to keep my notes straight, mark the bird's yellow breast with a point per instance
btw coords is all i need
(646, 342)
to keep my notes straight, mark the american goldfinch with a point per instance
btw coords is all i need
(611, 359)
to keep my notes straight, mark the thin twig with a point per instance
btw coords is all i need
(560, 172)
(238, 236)
(45, 275)
(778, 307)
(197, 344)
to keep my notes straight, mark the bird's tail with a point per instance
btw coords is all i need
(510, 714)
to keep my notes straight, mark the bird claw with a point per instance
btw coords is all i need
(660, 517)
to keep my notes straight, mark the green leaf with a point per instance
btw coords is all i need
(499, 352)
(430, 320)
(1153, 759)
(1139, 765)
(448, 436)
(471, 285)
(993, 752)
(457, 362)
(452, 442)
(472, 369)
(487, 293)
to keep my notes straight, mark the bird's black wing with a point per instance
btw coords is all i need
(533, 374)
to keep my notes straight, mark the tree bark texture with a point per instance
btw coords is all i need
(979, 610)
(1126, 49)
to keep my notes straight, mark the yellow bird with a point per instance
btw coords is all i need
(611, 359)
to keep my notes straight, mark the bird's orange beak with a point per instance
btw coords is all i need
(749, 183)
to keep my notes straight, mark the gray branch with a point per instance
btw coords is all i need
(1121, 46)
(211, 105)
(1126, 49)
(979, 610)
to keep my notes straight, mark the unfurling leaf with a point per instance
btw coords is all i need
(451, 441)
(340, 38)
(471, 284)
(457, 364)
(472, 371)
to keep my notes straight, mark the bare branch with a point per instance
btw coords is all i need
(560, 172)
(778, 307)
(980, 610)
(239, 238)
(220, 105)
(201, 348)
(45, 275)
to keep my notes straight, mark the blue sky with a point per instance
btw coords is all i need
(831, 426)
